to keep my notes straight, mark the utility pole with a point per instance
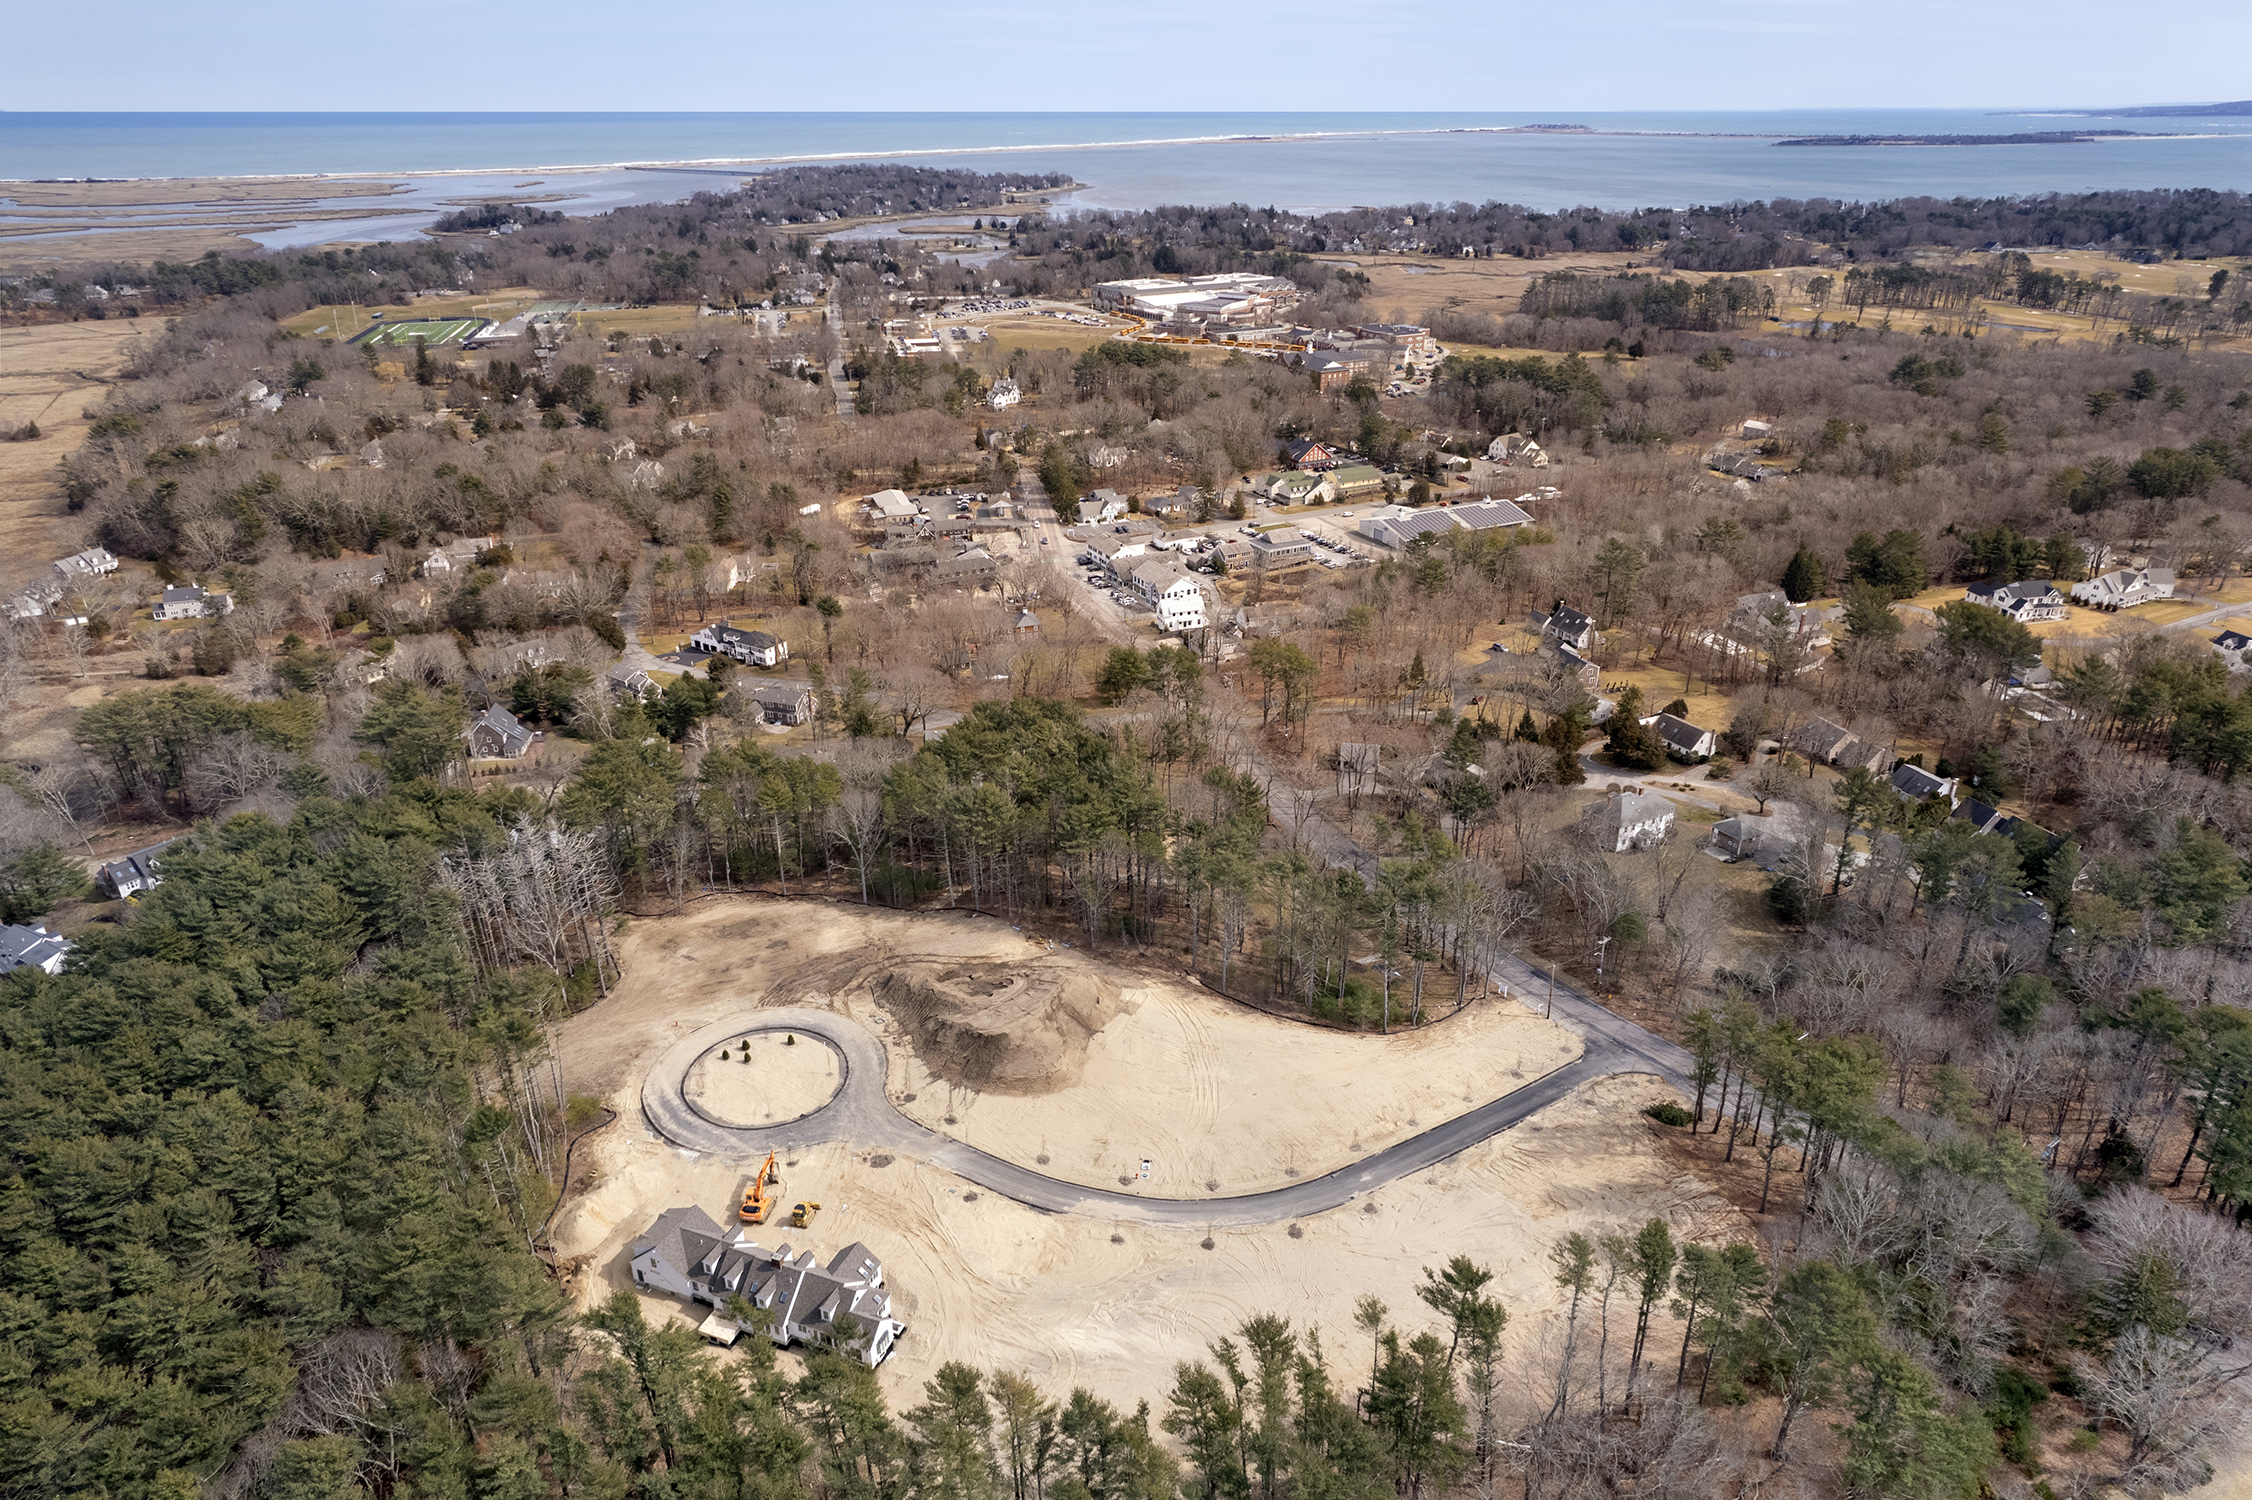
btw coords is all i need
(1600, 944)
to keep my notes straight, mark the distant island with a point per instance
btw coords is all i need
(2155, 111)
(2021, 138)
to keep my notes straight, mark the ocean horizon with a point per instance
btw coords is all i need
(1300, 161)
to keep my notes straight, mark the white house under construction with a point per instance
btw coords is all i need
(841, 1306)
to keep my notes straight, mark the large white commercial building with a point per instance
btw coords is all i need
(1228, 297)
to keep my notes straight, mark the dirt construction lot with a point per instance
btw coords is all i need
(1041, 1053)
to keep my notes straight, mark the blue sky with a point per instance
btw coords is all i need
(1163, 55)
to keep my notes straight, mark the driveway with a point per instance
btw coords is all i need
(862, 1115)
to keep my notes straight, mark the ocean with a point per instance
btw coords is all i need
(1304, 162)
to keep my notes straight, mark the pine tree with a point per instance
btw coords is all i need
(1805, 577)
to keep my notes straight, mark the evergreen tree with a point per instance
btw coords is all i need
(1804, 576)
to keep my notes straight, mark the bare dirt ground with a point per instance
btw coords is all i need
(1113, 1306)
(766, 1079)
(50, 373)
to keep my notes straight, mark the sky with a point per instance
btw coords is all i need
(1151, 55)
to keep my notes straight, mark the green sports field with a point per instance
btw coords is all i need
(432, 332)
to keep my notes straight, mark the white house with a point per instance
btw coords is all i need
(192, 603)
(2124, 588)
(1682, 739)
(453, 557)
(2032, 599)
(91, 563)
(1178, 594)
(753, 648)
(1566, 626)
(135, 873)
(841, 1306)
(1003, 395)
(33, 948)
(1625, 821)
(1102, 505)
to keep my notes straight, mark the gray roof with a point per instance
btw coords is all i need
(510, 728)
(1627, 809)
(756, 640)
(796, 1289)
(1915, 781)
(30, 947)
(135, 869)
(789, 693)
(185, 594)
(1680, 734)
(1483, 515)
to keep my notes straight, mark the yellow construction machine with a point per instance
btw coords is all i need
(802, 1216)
(758, 1201)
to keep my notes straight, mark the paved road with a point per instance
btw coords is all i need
(862, 1115)
(2217, 613)
(632, 610)
(837, 382)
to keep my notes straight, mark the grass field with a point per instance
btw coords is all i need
(435, 332)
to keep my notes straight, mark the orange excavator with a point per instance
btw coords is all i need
(758, 1202)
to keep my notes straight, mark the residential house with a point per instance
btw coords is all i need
(192, 602)
(1102, 505)
(753, 648)
(1515, 448)
(1565, 625)
(1306, 454)
(1181, 505)
(628, 681)
(1627, 820)
(784, 702)
(454, 557)
(1280, 547)
(2232, 644)
(842, 1306)
(1178, 595)
(80, 566)
(1735, 837)
(1352, 481)
(1831, 744)
(1026, 623)
(1003, 395)
(1356, 769)
(35, 600)
(2025, 602)
(135, 873)
(2124, 588)
(1918, 784)
(1982, 818)
(1682, 739)
(497, 734)
(33, 948)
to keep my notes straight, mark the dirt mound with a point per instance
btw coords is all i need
(1012, 1028)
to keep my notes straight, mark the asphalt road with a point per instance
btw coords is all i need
(862, 1115)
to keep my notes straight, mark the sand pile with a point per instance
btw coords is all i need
(1014, 1028)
